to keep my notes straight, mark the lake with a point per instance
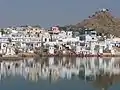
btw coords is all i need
(60, 73)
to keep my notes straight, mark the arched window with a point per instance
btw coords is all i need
(45, 39)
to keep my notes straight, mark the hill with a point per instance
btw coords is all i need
(103, 22)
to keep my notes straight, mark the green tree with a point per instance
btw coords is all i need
(2, 31)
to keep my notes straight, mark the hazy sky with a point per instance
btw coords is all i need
(50, 12)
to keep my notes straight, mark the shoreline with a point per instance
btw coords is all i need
(10, 58)
(33, 55)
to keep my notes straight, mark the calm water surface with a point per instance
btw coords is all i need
(63, 73)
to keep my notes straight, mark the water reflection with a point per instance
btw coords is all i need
(102, 72)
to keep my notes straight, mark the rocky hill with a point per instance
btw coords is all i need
(103, 22)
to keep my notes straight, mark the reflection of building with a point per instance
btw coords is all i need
(54, 69)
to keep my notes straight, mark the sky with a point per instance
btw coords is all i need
(51, 12)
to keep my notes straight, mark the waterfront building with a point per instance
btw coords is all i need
(30, 39)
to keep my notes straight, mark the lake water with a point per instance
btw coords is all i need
(63, 73)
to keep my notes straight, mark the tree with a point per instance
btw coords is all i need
(10, 40)
(2, 31)
(37, 26)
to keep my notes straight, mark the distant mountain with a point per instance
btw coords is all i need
(102, 21)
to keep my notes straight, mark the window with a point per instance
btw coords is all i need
(93, 33)
(82, 37)
(4, 45)
(82, 44)
(60, 48)
(45, 39)
(38, 35)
